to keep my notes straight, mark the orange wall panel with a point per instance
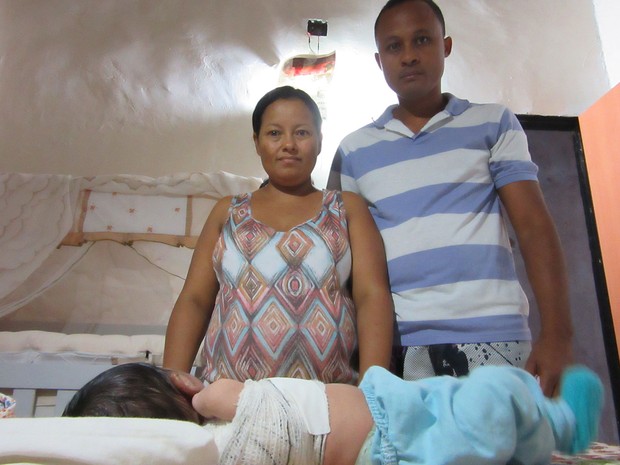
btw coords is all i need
(600, 131)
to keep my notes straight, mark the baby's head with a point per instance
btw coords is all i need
(135, 390)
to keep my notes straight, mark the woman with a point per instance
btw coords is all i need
(287, 280)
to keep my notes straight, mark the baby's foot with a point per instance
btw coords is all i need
(582, 390)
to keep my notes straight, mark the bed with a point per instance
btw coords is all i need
(105, 441)
(93, 289)
(94, 441)
(42, 370)
(90, 268)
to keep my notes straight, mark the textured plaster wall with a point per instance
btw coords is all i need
(155, 87)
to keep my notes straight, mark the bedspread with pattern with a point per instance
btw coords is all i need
(598, 454)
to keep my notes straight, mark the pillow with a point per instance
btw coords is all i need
(106, 441)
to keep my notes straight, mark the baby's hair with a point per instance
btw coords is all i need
(137, 390)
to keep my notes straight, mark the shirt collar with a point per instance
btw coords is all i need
(454, 107)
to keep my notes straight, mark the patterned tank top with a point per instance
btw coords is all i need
(283, 307)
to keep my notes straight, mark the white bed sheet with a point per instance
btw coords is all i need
(104, 441)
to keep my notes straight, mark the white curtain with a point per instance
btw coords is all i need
(39, 210)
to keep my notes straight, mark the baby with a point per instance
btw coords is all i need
(495, 415)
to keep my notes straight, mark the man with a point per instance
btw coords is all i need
(433, 169)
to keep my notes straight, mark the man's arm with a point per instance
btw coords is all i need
(370, 286)
(333, 182)
(546, 270)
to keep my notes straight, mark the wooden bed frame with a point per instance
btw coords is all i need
(42, 370)
(57, 380)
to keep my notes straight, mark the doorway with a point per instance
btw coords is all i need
(555, 146)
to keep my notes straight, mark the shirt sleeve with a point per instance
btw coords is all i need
(510, 157)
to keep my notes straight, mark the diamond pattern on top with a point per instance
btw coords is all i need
(331, 226)
(213, 332)
(337, 367)
(347, 328)
(319, 330)
(236, 327)
(319, 262)
(293, 290)
(250, 237)
(269, 261)
(299, 365)
(330, 291)
(282, 308)
(273, 327)
(252, 364)
(223, 367)
(236, 265)
(294, 246)
(252, 289)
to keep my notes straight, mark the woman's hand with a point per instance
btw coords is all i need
(186, 383)
(217, 400)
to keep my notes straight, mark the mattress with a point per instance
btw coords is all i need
(42, 370)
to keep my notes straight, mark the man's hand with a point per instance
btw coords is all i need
(549, 357)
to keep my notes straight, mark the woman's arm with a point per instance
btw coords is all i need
(192, 311)
(370, 285)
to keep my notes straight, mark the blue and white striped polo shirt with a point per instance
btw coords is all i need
(434, 198)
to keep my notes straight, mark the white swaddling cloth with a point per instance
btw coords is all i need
(310, 398)
(273, 423)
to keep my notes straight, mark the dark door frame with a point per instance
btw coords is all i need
(571, 124)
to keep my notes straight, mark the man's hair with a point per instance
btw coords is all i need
(135, 390)
(392, 3)
(284, 93)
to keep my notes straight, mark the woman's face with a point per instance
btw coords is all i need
(288, 142)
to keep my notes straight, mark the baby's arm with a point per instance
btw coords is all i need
(218, 400)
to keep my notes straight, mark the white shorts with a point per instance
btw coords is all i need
(459, 359)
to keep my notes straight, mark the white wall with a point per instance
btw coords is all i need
(154, 87)
(607, 16)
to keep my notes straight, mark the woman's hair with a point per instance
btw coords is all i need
(284, 93)
(134, 390)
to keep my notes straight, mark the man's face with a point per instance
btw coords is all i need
(411, 51)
